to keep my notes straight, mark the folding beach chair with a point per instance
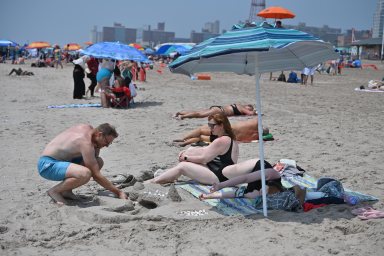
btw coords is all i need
(122, 97)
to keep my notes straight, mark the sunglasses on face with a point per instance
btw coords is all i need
(211, 125)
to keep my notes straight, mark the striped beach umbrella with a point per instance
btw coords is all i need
(253, 51)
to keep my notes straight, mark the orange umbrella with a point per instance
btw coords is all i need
(38, 45)
(72, 47)
(88, 43)
(276, 12)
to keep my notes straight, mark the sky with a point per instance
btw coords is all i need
(62, 22)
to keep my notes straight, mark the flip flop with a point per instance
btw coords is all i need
(359, 211)
(371, 215)
(121, 178)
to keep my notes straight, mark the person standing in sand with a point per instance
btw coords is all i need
(72, 157)
(229, 110)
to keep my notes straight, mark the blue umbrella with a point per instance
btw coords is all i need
(7, 42)
(116, 51)
(253, 51)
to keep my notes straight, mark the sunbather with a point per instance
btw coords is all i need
(20, 72)
(245, 172)
(229, 110)
(245, 131)
(249, 172)
(205, 164)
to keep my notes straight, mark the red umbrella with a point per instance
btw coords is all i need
(276, 12)
(38, 45)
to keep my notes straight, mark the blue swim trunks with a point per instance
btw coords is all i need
(103, 73)
(53, 169)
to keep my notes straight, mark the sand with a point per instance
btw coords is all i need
(328, 128)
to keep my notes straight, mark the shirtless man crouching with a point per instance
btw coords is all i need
(72, 157)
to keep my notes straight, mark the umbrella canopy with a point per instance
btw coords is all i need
(7, 43)
(137, 46)
(253, 51)
(277, 49)
(115, 50)
(72, 47)
(170, 48)
(38, 45)
(88, 43)
(276, 12)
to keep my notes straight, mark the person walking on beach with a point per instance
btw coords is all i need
(93, 66)
(229, 110)
(58, 57)
(72, 157)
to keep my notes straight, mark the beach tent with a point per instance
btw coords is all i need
(170, 48)
(7, 43)
(252, 51)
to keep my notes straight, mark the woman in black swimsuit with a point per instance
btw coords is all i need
(205, 164)
(228, 110)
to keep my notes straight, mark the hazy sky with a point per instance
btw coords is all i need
(67, 21)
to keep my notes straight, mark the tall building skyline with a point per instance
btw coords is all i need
(378, 20)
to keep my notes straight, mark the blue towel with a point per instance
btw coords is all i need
(85, 105)
(244, 206)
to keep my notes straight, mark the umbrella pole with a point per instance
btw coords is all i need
(261, 143)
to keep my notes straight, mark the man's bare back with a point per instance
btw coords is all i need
(68, 144)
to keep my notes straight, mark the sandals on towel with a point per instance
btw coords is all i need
(367, 213)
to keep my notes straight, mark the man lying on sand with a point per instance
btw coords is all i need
(72, 157)
(229, 110)
(245, 131)
(20, 72)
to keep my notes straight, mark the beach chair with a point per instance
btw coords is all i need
(122, 97)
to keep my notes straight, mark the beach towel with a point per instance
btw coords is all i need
(244, 206)
(368, 90)
(85, 105)
(228, 207)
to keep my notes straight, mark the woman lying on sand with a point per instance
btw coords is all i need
(229, 110)
(205, 164)
(245, 131)
(247, 172)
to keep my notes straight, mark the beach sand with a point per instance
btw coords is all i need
(329, 129)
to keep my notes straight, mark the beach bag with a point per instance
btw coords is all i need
(330, 187)
(132, 88)
(285, 200)
(281, 78)
(292, 77)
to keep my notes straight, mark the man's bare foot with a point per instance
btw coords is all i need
(69, 195)
(56, 197)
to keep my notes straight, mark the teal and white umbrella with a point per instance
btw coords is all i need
(253, 51)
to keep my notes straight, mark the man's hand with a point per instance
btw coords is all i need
(122, 195)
